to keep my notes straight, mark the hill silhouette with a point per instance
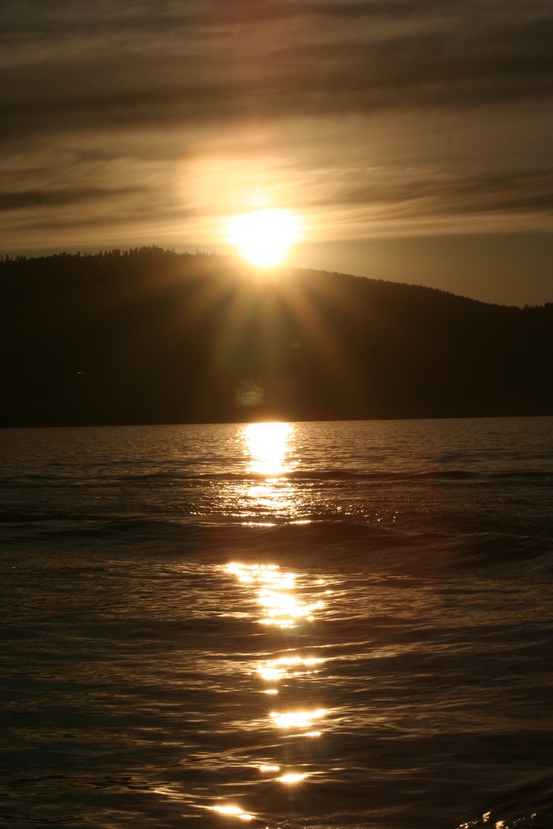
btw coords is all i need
(151, 336)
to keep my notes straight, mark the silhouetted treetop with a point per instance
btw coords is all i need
(148, 335)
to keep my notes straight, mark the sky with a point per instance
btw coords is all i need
(412, 137)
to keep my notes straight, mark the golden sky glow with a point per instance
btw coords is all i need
(376, 123)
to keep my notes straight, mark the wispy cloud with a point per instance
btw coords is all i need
(60, 198)
(108, 64)
(105, 100)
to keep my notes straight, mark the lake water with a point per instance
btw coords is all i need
(287, 625)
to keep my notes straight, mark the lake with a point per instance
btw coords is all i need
(341, 624)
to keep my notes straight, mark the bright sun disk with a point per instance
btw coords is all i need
(264, 237)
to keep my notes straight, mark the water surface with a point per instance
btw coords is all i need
(287, 625)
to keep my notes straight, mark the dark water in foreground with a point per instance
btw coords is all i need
(304, 625)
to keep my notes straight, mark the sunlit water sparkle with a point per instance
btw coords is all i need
(286, 625)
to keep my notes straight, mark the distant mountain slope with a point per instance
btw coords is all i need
(151, 336)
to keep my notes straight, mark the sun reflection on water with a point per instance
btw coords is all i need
(297, 719)
(283, 599)
(233, 811)
(268, 447)
(268, 492)
(292, 778)
(273, 670)
(276, 593)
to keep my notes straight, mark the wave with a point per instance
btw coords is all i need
(339, 474)
(310, 475)
(345, 545)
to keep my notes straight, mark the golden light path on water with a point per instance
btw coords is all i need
(268, 448)
(286, 600)
(270, 456)
(233, 811)
(275, 592)
(273, 670)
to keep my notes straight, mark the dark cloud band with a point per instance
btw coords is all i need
(111, 64)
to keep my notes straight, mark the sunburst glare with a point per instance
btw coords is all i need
(264, 237)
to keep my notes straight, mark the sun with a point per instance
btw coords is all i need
(264, 237)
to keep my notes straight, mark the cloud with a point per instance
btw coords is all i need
(60, 198)
(107, 64)
(122, 111)
(457, 195)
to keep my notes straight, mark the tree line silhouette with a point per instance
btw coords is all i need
(153, 336)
